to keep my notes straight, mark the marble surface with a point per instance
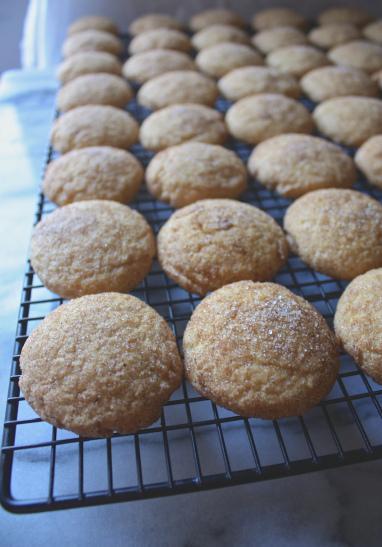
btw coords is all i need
(335, 508)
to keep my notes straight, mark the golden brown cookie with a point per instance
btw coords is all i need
(294, 164)
(369, 160)
(334, 34)
(92, 246)
(96, 172)
(278, 17)
(346, 14)
(336, 232)
(100, 364)
(217, 16)
(212, 242)
(358, 322)
(260, 350)
(149, 64)
(360, 54)
(88, 62)
(192, 171)
(178, 86)
(259, 117)
(91, 40)
(221, 58)
(349, 120)
(297, 60)
(94, 125)
(104, 89)
(160, 38)
(153, 21)
(374, 31)
(180, 123)
(276, 37)
(93, 22)
(215, 34)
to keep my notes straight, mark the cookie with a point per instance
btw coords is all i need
(104, 89)
(369, 160)
(88, 62)
(260, 350)
(259, 117)
(153, 21)
(358, 322)
(217, 16)
(360, 54)
(278, 17)
(221, 58)
(336, 232)
(216, 34)
(149, 64)
(100, 364)
(276, 37)
(294, 164)
(160, 38)
(297, 60)
(92, 246)
(349, 120)
(193, 171)
(180, 123)
(179, 86)
(212, 242)
(93, 22)
(91, 40)
(94, 125)
(373, 31)
(337, 81)
(377, 77)
(96, 172)
(251, 80)
(348, 14)
(334, 34)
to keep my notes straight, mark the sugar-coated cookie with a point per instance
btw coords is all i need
(334, 34)
(278, 17)
(344, 14)
(93, 22)
(215, 34)
(88, 62)
(91, 40)
(221, 58)
(215, 16)
(149, 64)
(369, 159)
(160, 38)
(276, 37)
(152, 21)
(373, 31)
(297, 60)
(360, 54)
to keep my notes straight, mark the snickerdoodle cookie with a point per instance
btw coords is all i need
(215, 34)
(328, 36)
(93, 22)
(278, 17)
(92, 40)
(259, 117)
(92, 246)
(295, 164)
(349, 120)
(297, 60)
(221, 58)
(337, 81)
(180, 123)
(369, 160)
(360, 54)
(106, 89)
(277, 37)
(88, 62)
(153, 21)
(374, 31)
(346, 14)
(216, 16)
(252, 80)
(192, 171)
(212, 242)
(94, 125)
(358, 322)
(260, 350)
(148, 64)
(160, 38)
(178, 86)
(100, 364)
(96, 172)
(336, 232)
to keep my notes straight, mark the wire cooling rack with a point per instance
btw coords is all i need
(195, 445)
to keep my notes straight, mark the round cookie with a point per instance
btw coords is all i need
(100, 364)
(93, 22)
(374, 31)
(349, 120)
(221, 58)
(212, 242)
(180, 123)
(104, 89)
(92, 246)
(336, 232)
(260, 350)
(276, 37)
(369, 160)
(193, 171)
(91, 40)
(153, 21)
(149, 64)
(294, 164)
(278, 17)
(160, 38)
(180, 86)
(332, 35)
(216, 34)
(96, 172)
(377, 77)
(348, 14)
(94, 125)
(297, 60)
(259, 117)
(337, 81)
(360, 54)
(88, 62)
(358, 322)
(251, 80)
(216, 16)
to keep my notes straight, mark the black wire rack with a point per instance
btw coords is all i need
(195, 445)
